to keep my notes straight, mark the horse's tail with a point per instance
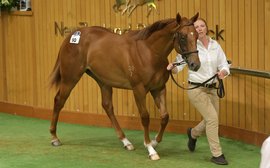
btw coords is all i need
(55, 76)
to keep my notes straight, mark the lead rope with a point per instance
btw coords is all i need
(220, 88)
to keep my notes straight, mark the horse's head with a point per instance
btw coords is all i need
(185, 41)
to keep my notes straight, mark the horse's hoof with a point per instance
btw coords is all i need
(154, 157)
(56, 142)
(129, 147)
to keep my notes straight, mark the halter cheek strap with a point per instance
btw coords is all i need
(179, 50)
(185, 54)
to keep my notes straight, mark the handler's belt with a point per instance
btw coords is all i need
(207, 85)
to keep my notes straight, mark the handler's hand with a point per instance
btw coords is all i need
(170, 66)
(222, 74)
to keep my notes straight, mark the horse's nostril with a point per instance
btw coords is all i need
(197, 67)
(194, 66)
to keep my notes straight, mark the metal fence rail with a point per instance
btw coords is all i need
(251, 72)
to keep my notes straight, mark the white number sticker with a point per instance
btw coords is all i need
(75, 38)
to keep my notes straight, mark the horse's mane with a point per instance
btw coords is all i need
(158, 25)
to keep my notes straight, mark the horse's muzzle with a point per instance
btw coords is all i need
(194, 66)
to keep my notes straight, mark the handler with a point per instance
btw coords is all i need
(205, 98)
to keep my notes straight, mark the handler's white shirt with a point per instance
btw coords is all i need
(265, 154)
(212, 60)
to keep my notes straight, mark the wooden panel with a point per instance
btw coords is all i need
(248, 56)
(234, 106)
(203, 13)
(3, 87)
(261, 65)
(225, 110)
(222, 24)
(267, 65)
(254, 64)
(29, 49)
(19, 65)
(241, 63)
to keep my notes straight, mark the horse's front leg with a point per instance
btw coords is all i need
(140, 98)
(160, 101)
(107, 104)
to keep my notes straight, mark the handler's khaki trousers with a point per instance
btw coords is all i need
(206, 101)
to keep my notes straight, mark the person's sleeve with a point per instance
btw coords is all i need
(222, 61)
(179, 59)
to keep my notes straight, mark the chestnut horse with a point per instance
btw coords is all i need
(136, 60)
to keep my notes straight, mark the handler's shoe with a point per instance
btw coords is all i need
(191, 141)
(220, 160)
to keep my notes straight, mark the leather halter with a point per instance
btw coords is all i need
(184, 54)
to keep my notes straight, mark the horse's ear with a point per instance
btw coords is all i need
(178, 18)
(195, 17)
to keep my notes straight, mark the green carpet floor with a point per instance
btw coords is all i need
(25, 143)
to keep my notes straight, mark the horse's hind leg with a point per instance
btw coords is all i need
(59, 101)
(160, 101)
(106, 92)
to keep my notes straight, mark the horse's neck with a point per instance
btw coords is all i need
(161, 43)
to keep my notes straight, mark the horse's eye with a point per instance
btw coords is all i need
(182, 39)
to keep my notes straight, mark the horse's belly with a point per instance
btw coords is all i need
(112, 70)
(113, 79)
(117, 82)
